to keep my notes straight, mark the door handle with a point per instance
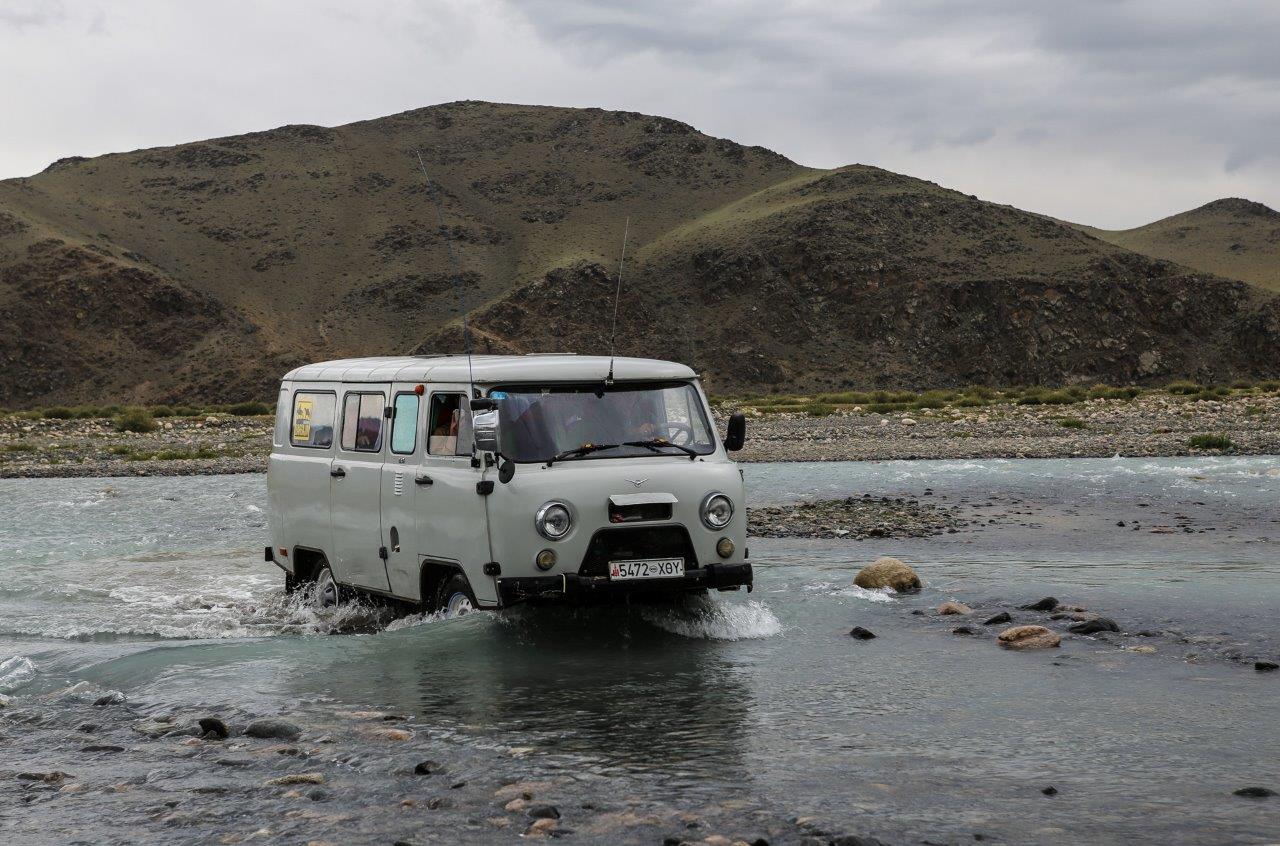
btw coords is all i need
(338, 473)
(423, 480)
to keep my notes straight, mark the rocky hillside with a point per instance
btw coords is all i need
(1235, 238)
(210, 268)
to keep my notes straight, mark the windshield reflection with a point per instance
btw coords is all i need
(542, 423)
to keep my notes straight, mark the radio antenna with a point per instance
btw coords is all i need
(457, 273)
(617, 294)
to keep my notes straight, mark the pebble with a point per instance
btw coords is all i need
(1002, 617)
(273, 729)
(550, 812)
(1049, 791)
(859, 633)
(1255, 792)
(952, 607)
(296, 778)
(962, 630)
(1046, 604)
(1265, 666)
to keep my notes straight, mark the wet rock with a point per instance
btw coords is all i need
(951, 607)
(550, 812)
(282, 729)
(859, 633)
(962, 630)
(319, 794)
(396, 735)
(1254, 792)
(1047, 604)
(53, 777)
(115, 697)
(1143, 650)
(1266, 666)
(1088, 627)
(4, 701)
(1029, 637)
(854, 840)
(1049, 791)
(540, 828)
(1002, 617)
(888, 572)
(295, 778)
(214, 726)
(427, 768)
(234, 762)
(102, 747)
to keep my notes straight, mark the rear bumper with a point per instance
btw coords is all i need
(573, 588)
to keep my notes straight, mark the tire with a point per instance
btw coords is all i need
(454, 598)
(326, 592)
(291, 583)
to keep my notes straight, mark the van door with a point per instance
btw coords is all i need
(401, 490)
(355, 498)
(454, 523)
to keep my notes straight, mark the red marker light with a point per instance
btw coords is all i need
(420, 389)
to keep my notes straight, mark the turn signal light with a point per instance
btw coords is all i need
(546, 559)
(724, 548)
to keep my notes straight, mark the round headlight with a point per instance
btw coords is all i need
(553, 520)
(717, 511)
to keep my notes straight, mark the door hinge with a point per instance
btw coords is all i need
(382, 553)
(484, 488)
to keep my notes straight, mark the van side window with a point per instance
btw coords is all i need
(404, 425)
(448, 430)
(312, 420)
(281, 432)
(362, 422)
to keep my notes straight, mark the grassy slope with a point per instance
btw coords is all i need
(1234, 238)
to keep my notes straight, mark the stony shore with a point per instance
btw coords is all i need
(1155, 424)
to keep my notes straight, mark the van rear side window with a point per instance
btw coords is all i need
(362, 422)
(404, 424)
(312, 420)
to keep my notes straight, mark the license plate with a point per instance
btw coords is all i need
(654, 568)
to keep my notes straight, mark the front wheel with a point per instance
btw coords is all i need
(454, 598)
(326, 591)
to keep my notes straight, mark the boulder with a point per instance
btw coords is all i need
(1046, 604)
(1255, 792)
(1002, 617)
(859, 633)
(888, 572)
(1266, 666)
(1088, 627)
(1029, 637)
(215, 727)
(951, 607)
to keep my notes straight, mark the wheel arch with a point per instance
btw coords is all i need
(434, 573)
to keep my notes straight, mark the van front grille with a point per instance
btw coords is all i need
(632, 544)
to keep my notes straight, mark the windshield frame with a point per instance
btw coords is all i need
(578, 386)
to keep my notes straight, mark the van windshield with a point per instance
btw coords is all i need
(619, 421)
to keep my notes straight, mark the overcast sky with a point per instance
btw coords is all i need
(1111, 112)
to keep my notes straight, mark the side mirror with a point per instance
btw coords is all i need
(484, 431)
(736, 435)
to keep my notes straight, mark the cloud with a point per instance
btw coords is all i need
(1109, 111)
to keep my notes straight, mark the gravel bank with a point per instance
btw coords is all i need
(1152, 425)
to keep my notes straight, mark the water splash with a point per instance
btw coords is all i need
(15, 672)
(705, 618)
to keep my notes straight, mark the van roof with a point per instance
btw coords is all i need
(487, 369)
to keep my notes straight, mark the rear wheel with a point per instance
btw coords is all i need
(454, 598)
(326, 591)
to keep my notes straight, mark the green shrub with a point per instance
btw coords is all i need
(1107, 392)
(1061, 398)
(249, 409)
(135, 420)
(1269, 385)
(19, 446)
(120, 449)
(1254, 411)
(59, 412)
(981, 392)
(161, 411)
(818, 409)
(1184, 387)
(1243, 384)
(970, 401)
(1029, 399)
(1072, 423)
(1210, 442)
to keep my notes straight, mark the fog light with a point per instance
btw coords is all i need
(547, 559)
(724, 548)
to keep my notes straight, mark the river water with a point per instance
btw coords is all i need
(155, 587)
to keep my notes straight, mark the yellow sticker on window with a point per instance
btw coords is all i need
(302, 420)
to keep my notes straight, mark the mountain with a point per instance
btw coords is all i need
(204, 271)
(1234, 238)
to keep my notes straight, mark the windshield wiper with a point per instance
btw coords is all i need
(654, 443)
(576, 452)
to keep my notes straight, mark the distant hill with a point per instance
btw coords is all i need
(1235, 238)
(208, 269)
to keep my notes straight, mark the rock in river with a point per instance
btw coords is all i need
(1047, 604)
(952, 607)
(273, 728)
(1255, 792)
(859, 633)
(1029, 637)
(1002, 617)
(214, 726)
(1266, 666)
(888, 572)
(1088, 627)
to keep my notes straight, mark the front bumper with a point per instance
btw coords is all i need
(573, 588)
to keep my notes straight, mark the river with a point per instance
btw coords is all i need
(155, 587)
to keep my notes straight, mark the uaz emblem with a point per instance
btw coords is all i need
(637, 482)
